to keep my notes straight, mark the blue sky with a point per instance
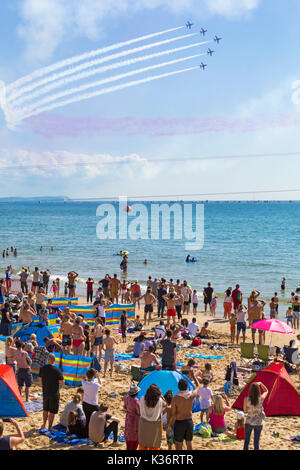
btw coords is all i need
(241, 104)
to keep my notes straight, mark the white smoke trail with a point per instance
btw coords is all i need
(86, 74)
(80, 88)
(89, 64)
(18, 116)
(72, 60)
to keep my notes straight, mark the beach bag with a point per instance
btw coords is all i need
(205, 430)
(227, 388)
(196, 342)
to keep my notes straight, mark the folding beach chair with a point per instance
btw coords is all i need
(263, 353)
(247, 353)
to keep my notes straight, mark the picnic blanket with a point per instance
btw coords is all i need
(59, 434)
(202, 356)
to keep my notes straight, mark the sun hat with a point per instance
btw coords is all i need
(133, 390)
(240, 415)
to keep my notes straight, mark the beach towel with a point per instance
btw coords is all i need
(33, 406)
(59, 434)
(202, 356)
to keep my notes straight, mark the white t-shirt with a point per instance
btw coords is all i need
(91, 389)
(193, 328)
(151, 414)
(205, 394)
(160, 331)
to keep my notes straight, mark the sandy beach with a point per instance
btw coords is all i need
(286, 426)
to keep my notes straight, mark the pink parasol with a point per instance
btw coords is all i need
(274, 326)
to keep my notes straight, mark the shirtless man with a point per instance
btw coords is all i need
(149, 301)
(66, 331)
(109, 349)
(72, 276)
(147, 358)
(171, 311)
(186, 292)
(78, 338)
(205, 333)
(97, 337)
(36, 280)
(40, 297)
(181, 413)
(256, 313)
(114, 286)
(26, 313)
(136, 293)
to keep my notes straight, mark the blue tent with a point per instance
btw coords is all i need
(166, 380)
(39, 329)
(11, 405)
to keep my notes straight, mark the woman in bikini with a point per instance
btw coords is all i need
(78, 338)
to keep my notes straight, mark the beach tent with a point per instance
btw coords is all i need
(39, 329)
(283, 397)
(11, 405)
(73, 367)
(165, 380)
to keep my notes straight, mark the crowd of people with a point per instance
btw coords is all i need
(172, 302)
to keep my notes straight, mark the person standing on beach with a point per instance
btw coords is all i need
(169, 352)
(241, 323)
(24, 376)
(161, 303)
(46, 278)
(78, 338)
(91, 384)
(207, 295)
(66, 331)
(136, 293)
(237, 297)
(23, 278)
(256, 313)
(8, 273)
(104, 283)
(97, 338)
(89, 290)
(114, 287)
(36, 280)
(227, 303)
(149, 302)
(72, 276)
(186, 292)
(132, 418)
(51, 379)
(253, 407)
(109, 349)
(181, 413)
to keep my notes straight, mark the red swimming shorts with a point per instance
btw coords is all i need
(171, 312)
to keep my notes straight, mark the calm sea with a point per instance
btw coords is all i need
(253, 244)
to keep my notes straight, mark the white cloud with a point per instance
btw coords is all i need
(231, 8)
(23, 163)
(46, 23)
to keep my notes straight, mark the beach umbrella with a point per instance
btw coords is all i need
(274, 326)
